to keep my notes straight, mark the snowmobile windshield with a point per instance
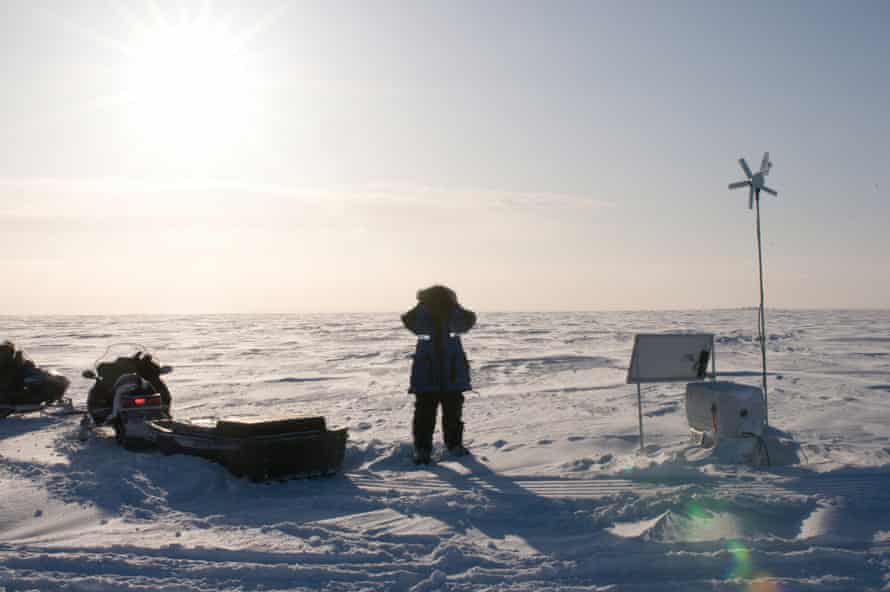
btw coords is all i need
(126, 358)
(119, 350)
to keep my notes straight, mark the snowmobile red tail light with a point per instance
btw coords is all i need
(142, 401)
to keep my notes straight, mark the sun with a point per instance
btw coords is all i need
(183, 84)
(188, 85)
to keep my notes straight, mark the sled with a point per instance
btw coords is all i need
(258, 448)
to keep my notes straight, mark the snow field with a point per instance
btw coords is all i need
(555, 496)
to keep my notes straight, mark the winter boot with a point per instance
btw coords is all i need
(422, 456)
(458, 451)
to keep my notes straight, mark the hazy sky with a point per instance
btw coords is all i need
(336, 156)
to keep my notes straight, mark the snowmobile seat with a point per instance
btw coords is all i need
(109, 372)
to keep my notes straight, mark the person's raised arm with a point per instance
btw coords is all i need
(464, 320)
(409, 319)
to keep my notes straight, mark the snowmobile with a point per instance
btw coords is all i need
(127, 393)
(258, 448)
(130, 397)
(24, 387)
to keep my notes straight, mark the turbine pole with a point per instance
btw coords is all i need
(762, 323)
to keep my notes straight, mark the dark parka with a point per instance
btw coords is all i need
(440, 364)
(15, 369)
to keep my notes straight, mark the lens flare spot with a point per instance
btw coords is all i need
(764, 585)
(741, 560)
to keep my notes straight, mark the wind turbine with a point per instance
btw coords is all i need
(755, 182)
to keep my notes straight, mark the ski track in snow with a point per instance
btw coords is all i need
(554, 497)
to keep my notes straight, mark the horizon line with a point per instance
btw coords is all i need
(480, 311)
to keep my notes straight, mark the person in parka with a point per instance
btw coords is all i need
(440, 373)
(10, 377)
(15, 366)
(15, 369)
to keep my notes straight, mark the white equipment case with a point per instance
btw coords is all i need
(725, 409)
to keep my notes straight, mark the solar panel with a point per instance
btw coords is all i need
(670, 357)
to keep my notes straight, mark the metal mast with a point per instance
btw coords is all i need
(755, 183)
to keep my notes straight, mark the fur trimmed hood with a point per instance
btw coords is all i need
(438, 312)
(439, 302)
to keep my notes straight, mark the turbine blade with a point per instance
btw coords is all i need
(745, 168)
(770, 191)
(739, 184)
(751, 199)
(765, 163)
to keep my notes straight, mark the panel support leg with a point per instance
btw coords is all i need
(640, 413)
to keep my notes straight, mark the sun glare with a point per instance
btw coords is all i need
(188, 84)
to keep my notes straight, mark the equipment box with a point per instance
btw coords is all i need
(725, 409)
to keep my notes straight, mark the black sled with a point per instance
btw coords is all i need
(259, 449)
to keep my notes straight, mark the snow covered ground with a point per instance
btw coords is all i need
(555, 496)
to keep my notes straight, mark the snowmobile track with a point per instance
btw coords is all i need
(852, 487)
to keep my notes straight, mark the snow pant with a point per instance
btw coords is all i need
(425, 407)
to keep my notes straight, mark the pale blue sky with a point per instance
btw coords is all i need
(336, 156)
